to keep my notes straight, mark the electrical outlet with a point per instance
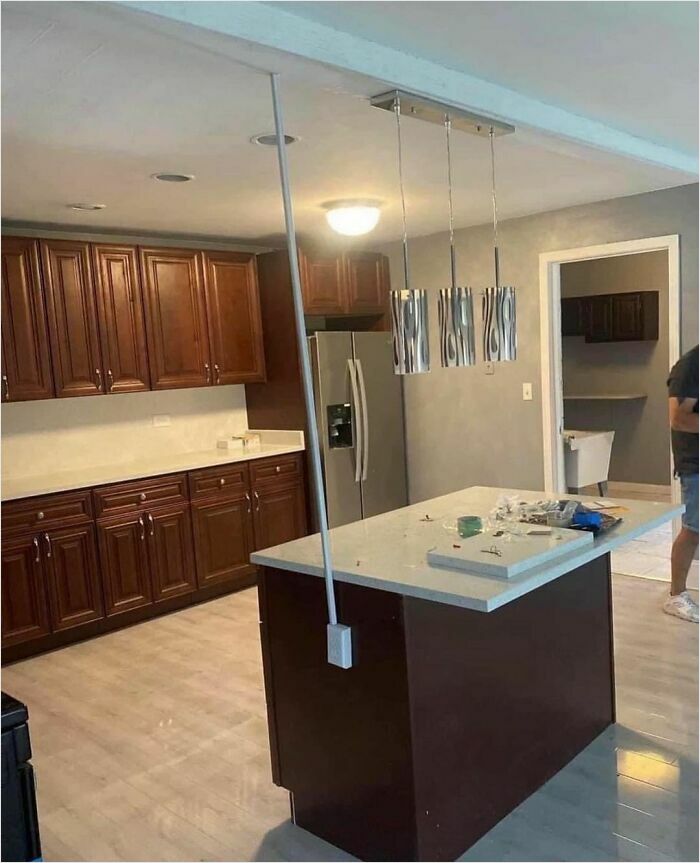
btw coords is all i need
(161, 420)
(489, 368)
(527, 392)
(339, 645)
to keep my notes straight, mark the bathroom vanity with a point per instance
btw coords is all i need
(466, 693)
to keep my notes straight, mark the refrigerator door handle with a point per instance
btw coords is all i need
(365, 419)
(355, 407)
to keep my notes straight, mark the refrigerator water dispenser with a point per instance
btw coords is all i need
(339, 426)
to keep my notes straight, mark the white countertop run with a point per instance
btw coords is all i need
(388, 552)
(272, 443)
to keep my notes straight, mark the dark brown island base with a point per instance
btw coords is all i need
(449, 717)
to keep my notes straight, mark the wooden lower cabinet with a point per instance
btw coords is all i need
(25, 613)
(124, 560)
(73, 577)
(279, 514)
(170, 553)
(223, 538)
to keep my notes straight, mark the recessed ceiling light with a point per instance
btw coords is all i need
(86, 206)
(173, 178)
(269, 139)
(352, 218)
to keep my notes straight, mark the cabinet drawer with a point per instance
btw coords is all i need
(66, 509)
(141, 494)
(275, 469)
(218, 482)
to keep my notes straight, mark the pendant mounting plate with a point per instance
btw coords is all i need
(434, 112)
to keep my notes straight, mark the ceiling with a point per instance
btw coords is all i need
(93, 103)
(632, 65)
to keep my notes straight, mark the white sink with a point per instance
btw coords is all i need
(587, 457)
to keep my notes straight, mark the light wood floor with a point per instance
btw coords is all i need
(151, 744)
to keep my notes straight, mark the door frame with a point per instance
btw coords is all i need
(551, 339)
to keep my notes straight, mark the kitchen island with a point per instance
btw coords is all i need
(467, 692)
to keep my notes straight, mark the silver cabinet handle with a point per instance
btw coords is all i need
(247, 497)
(365, 418)
(357, 428)
(6, 387)
(99, 379)
(151, 524)
(37, 552)
(111, 380)
(47, 539)
(207, 371)
(222, 481)
(217, 374)
(143, 529)
(257, 501)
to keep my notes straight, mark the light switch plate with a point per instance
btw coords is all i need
(527, 392)
(161, 420)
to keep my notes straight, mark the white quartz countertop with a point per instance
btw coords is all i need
(30, 486)
(388, 552)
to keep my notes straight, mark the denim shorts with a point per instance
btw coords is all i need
(689, 492)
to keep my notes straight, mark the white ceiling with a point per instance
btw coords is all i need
(93, 103)
(632, 65)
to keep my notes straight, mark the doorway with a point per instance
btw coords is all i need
(566, 266)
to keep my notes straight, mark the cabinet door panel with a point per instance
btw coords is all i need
(279, 515)
(626, 317)
(170, 553)
(323, 285)
(122, 327)
(233, 315)
(599, 318)
(223, 536)
(72, 312)
(24, 608)
(178, 345)
(367, 279)
(72, 573)
(124, 560)
(25, 335)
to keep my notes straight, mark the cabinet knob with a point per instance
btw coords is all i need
(222, 481)
(40, 515)
(278, 469)
(142, 496)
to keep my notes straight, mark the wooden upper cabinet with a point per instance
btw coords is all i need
(323, 284)
(25, 339)
(233, 317)
(120, 312)
(72, 313)
(178, 344)
(367, 281)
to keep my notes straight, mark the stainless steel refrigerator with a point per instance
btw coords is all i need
(359, 406)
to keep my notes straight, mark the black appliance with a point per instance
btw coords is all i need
(20, 823)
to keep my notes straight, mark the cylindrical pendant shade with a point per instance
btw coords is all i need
(409, 328)
(500, 330)
(456, 317)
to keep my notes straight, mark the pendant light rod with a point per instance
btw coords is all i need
(496, 262)
(453, 257)
(397, 112)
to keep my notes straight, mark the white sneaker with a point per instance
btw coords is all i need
(682, 605)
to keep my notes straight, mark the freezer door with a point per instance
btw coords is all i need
(384, 485)
(332, 365)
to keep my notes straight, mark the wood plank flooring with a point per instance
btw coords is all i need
(151, 744)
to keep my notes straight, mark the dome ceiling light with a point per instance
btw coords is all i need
(269, 139)
(352, 218)
(87, 207)
(167, 177)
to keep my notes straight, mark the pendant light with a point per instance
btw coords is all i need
(498, 303)
(455, 305)
(409, 307)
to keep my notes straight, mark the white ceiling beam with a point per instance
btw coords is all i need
(273, 28)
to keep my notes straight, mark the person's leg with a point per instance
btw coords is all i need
(679, 602)
(682, 555)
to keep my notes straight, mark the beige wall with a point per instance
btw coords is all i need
(466, 428)
(61, 434)
(641, 447)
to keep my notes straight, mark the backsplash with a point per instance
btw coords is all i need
(60, 434)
